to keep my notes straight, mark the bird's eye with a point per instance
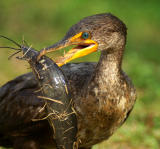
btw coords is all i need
(85, 35)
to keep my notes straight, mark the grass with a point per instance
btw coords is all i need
(42, 23)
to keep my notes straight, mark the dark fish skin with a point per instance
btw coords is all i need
(53, 84)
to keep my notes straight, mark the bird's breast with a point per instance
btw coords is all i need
(99, 118)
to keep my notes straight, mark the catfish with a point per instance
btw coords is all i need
(58, 102)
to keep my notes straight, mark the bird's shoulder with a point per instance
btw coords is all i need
(19, 83)
(78, 74)
(78, 69)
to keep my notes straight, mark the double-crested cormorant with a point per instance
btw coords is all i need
(102, 93)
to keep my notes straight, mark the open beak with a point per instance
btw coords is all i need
(83, 47)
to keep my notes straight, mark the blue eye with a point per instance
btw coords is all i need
(85, 35)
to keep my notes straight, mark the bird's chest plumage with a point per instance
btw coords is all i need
(100, 114)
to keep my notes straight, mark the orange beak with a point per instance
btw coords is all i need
(84, 47)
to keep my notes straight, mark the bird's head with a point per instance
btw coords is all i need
(97, 32)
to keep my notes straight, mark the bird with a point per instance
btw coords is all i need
(102, 93)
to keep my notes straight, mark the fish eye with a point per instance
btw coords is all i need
(85, 35)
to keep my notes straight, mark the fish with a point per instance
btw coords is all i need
(58, 103)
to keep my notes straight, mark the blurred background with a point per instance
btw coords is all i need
(42, 23)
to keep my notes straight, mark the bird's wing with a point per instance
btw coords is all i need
(19, 103)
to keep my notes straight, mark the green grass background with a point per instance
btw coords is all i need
(44, 22)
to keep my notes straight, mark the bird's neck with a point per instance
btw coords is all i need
(108, 73)
(109, 66)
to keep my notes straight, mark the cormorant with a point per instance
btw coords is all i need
(102, 93)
